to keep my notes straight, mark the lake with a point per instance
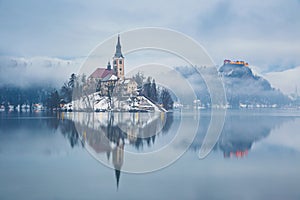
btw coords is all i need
(98, 156)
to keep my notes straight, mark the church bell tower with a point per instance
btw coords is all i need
(118, 61)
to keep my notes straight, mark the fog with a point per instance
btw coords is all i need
(288, 80)
(26, 72)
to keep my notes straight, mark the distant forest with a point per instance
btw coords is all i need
(49, 97)
(13, 95)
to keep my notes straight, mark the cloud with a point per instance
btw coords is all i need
(263, 33)
(287, 81)
(46, 71)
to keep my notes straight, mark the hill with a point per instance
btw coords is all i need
(243, 87)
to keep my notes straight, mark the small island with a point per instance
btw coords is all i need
(108, 89)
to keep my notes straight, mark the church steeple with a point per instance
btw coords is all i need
(118, 61)
(118, 158)
(117, 174)
(118, 53)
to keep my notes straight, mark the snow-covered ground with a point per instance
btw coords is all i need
(95, 102)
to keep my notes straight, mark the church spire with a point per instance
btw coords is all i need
(118, 60)
(117, 174)
(118, 53)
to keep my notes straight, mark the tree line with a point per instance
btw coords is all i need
(157, 94)
(49, 97)
(17, 96)
(75, 86)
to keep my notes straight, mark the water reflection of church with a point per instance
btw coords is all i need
(108, 133)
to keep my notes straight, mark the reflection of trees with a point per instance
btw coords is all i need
(53, 122)
(168, 123)
(113, 132)
(66, 126)
(109, 133)
(68, 129)
(237, 138)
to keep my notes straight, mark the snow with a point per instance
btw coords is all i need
(96, 102)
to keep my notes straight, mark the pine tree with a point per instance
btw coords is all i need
(166, 99)
(153, 92)
(139, 79)
(53, 101)
(72, 80)
(147, 87)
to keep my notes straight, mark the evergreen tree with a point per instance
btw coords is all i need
(72, 81)
(139, 79)
(66, 92)
(53, 100)
(166, 99)
(153, 92)
(68, 88)
(147, 87)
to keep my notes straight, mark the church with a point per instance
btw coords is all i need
(109, 77)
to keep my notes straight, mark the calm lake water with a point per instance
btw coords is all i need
(57, 156)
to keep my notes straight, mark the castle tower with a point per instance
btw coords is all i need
(118, 61)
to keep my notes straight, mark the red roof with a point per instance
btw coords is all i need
(100, 73)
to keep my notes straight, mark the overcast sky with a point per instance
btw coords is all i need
(265, 33)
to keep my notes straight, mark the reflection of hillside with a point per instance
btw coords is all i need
(103, 132)
(240, 132)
